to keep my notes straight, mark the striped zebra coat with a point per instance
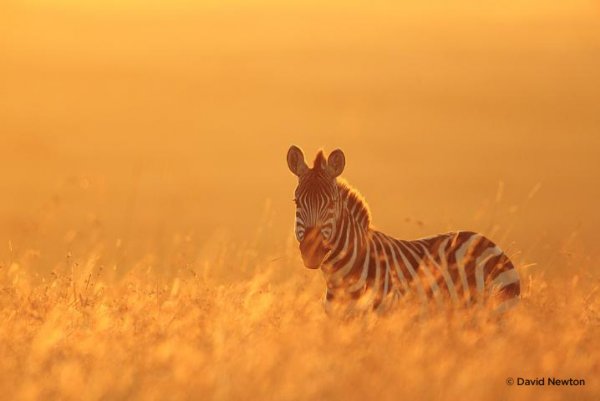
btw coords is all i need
(367, 269)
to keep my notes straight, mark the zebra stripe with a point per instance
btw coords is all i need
(444, 271)
(413, 275)
(396, 266)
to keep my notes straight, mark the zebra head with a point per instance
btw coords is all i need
(318, 205)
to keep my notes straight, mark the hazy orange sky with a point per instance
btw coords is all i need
(177, 117)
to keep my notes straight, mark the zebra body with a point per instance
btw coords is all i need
(367, 269)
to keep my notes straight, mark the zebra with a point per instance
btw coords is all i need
(367, 270)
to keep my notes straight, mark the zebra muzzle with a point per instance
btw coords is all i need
(313, 248)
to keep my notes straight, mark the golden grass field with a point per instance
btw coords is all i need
(146, 241)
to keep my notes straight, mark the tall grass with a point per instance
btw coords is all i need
(244, 324)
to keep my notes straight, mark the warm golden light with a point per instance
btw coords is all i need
(146, 241)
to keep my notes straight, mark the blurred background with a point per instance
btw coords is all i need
(134, 125)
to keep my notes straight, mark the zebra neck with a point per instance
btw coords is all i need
(352, 235)
(354, 206)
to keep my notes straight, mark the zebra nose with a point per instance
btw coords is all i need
(312, 247)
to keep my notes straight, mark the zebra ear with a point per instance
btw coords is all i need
(295, 159)
(336, 163)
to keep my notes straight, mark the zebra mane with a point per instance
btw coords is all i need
(320, 161)
(353, 197)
